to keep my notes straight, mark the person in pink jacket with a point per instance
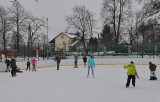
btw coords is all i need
(34, 62)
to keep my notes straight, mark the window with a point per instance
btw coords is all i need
(62, 36)
(64, 43)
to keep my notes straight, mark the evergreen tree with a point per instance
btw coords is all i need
(106, 35)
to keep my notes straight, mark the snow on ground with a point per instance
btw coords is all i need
(71, 85)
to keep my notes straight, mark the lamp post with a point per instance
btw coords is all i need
(47, 38)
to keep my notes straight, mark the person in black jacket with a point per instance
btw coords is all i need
(7, 61)
(84, 60)
(13, 66)
(152, 68)
(58, 60)
(75, 61)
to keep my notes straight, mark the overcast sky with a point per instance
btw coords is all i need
(56, 11)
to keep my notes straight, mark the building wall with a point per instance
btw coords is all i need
(61, 42)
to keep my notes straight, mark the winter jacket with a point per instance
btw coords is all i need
(58, 59)
(152, 67)
(13, 63)
(84, 59)
(28, 62)
(33, 62)
(76, 58)
(91, 62)
(7, 62)
(131, 69)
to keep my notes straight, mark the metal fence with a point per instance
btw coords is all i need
(48, 51)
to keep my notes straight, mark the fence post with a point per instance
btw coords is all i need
(24, 52)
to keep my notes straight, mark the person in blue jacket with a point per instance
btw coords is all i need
(91, 64)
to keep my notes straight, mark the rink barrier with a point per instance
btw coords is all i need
(70, 62)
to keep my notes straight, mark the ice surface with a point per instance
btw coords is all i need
(71, 85)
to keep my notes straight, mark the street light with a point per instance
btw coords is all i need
(47, 38)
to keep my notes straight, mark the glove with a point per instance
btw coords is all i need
(137, 76)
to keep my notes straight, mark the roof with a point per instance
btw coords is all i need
(74, 43)
(70, 35)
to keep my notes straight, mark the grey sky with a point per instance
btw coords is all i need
(56, 11)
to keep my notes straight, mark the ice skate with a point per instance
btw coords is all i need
(87, 76)
(93, 76)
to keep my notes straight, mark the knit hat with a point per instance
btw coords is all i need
(132, 62)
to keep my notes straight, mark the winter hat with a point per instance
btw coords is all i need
(132, 62)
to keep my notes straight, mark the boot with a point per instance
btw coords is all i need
(154, 78)
(151, 78)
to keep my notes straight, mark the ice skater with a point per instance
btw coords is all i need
(58, 60)
(13, 66)
(7, 61)
(91, 65)
(84, 61)
(132, 74)
(34, 62)
(28, 64)
(75, 61)
(152, 68)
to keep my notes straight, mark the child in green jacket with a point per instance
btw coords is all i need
(132, 73)
(28, 64)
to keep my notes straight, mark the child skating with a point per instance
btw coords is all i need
(13, 67)
(28, 64)
(132, 74)
(75, 61)
(84, 61)
(7, 61)
(34, 62)
(152, 68)
(91, 65)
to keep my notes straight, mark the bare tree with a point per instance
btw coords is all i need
(5, 27)
(18, 16)
(151, 7)
(34, 27)
(82, 21)
(113, 13)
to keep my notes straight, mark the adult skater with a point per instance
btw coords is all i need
(84, 61)
(91, 64)
(58, 60)
(13, 66)
(132, 73)
(152, 68)
(33, 62)
(28, 64)
(75, 61)
(7, 61)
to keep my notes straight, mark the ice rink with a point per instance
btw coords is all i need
(71, 85)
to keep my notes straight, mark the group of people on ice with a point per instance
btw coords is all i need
(33, 62)
(14, 68)
(91, 63)
(131, 69)
(132, 73)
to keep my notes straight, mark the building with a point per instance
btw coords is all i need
(67, 42)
